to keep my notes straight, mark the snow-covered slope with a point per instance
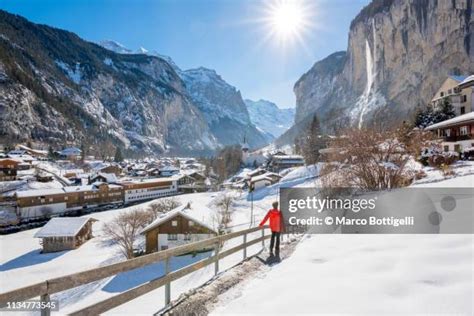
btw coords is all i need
(268, 117)
(365, 274)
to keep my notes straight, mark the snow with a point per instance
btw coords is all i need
(370, 274)
(365, 274)
(74, 74)
(268, 118)
(468, 117)
(183, 211)
(62, 227)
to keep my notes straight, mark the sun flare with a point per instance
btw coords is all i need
(287, 18)
(287, 21)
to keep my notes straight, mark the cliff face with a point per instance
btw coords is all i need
(399, 52)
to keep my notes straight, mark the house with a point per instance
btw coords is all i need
(456, 134)
(70, 153)
(153, 172)
(9, 169)
(65, 233)
(115, 169)
(44, 177)
(280, 162)
(168, 171)
(104, 177)
(147, 189)
(256, 172)
(194, 182)
(264, 180)
(175, 228)
(458, 90)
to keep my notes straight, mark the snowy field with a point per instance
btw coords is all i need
(22, 263)
(369, 273)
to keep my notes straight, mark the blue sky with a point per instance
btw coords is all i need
(225, 35)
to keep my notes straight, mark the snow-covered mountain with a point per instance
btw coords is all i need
(220, 103)
(268, 117)
(59, 89)
(223, 108)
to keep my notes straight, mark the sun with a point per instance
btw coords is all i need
(287, 18)
(288, 21)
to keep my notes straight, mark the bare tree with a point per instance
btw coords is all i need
(223, 215)
(367, 159)
(125, 228)
(160, 207)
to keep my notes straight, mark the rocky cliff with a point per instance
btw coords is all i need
(399, 52)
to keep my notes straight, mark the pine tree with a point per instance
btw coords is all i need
(118, 155)
(51, 154)
(313, 142)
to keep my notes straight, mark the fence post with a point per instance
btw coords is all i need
(245, 247)
(167, 285)
(47, 310)
(216, 264)
(263, 235)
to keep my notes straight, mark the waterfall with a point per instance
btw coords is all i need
(369, 98)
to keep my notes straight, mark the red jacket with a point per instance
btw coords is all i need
(275, 220)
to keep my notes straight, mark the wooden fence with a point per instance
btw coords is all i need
(46, 288)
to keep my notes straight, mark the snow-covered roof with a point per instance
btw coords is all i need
(41, 192)
(261, 178)
(62, 227)
(180, 210)
(70, 151)
(109, 177)
(467, 80)
(465, 118)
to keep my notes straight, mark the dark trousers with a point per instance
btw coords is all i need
(275, 241)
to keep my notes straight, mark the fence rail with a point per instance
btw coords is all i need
(46, 288)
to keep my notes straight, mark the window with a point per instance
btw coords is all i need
(174, 223)
(463, 110)
(464, 98)
(441, 94)
(457, 148)
(450, 91)
(446, 148)
(187, 237)
(191, 223)
(172, 237)
(463, 130)
(447, 132)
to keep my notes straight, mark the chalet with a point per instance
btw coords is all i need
(458, 91)
(264, 180)
(175, 228)
(256, 172)
(280, 162)
(456, 134)
(103, 177)
(70, 153)
(65, 233)
(169, 171)
(9, 169)
(194, 182)
(153, 172)
(44, 177)
(115, 169)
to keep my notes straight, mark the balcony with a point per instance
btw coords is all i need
(458, 138)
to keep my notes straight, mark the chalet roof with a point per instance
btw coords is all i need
(467, 81)
(181, 210)
(62, 227)
(109, 177)
(465, 118)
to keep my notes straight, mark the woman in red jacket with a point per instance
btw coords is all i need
(275, 226)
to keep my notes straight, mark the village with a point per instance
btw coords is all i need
(74, 213)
